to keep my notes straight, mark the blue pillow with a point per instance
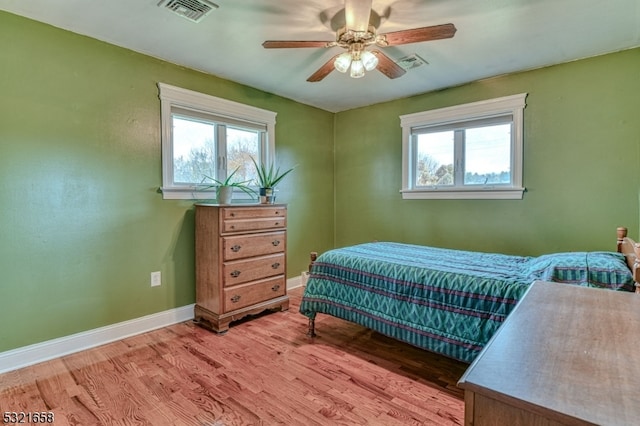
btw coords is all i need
(591, 269)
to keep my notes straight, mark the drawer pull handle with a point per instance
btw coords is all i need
(232, 214)
(276, 287)
(235, 299)
(235, 273)
(275, 265)
(277, 223)
(275, 243)
(235, 248)
(232, 227)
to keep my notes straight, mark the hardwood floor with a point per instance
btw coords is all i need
(263, 371)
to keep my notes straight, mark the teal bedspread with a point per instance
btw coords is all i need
(446, 301)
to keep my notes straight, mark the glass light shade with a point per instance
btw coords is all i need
(342, 62)
(357, 69)
(369, 60)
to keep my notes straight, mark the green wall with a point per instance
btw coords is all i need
(82, 225)
(581, 165)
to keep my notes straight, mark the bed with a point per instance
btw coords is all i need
(448, 301)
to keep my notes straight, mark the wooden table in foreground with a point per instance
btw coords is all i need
(565, 355)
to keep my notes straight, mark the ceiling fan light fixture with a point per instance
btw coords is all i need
(369, 60)
(342, 62)
(356, 36)
(357, 69)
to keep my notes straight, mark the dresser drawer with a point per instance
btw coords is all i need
(242, 271)
(253, 212)
(255, 292)
(243, 219)
(242, 246)
(257, 224)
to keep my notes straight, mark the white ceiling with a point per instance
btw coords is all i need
(494, 37)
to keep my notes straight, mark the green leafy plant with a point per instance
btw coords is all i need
(241, 185)
(269, 176)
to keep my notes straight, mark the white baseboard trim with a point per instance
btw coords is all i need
(45, 351)
(39, 352)
(294, 282)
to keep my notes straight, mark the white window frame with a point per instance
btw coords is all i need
(509, 105)
(172, 96)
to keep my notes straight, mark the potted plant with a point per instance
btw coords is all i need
(268, 178)
(224, 189)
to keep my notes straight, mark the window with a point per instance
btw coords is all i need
(206, 137)
(469, 151)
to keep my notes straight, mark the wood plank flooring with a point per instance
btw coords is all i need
(264, 371)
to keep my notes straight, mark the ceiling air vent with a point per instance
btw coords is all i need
(193, 10)
(411, 61)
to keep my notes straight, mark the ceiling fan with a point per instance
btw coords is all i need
(356, 36)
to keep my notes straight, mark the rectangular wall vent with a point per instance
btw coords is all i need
(193, 10)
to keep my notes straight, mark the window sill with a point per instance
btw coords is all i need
(191, 194)
(463, 194)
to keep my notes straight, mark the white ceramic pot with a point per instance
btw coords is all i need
(224, 194)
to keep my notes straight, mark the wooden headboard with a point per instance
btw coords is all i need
(631, 251)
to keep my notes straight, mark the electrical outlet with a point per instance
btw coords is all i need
(156, 278)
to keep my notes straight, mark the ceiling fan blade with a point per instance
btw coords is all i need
(280, 44)
(357, 14)
(387, 67)
(323, 71)
(435, 32)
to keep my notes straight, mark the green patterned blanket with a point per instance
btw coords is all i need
(443, 300)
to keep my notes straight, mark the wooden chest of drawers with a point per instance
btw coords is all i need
(240, 262)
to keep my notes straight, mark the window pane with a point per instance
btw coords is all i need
(242, 145)
(194, 150)
(488, 155)
(434, 158)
